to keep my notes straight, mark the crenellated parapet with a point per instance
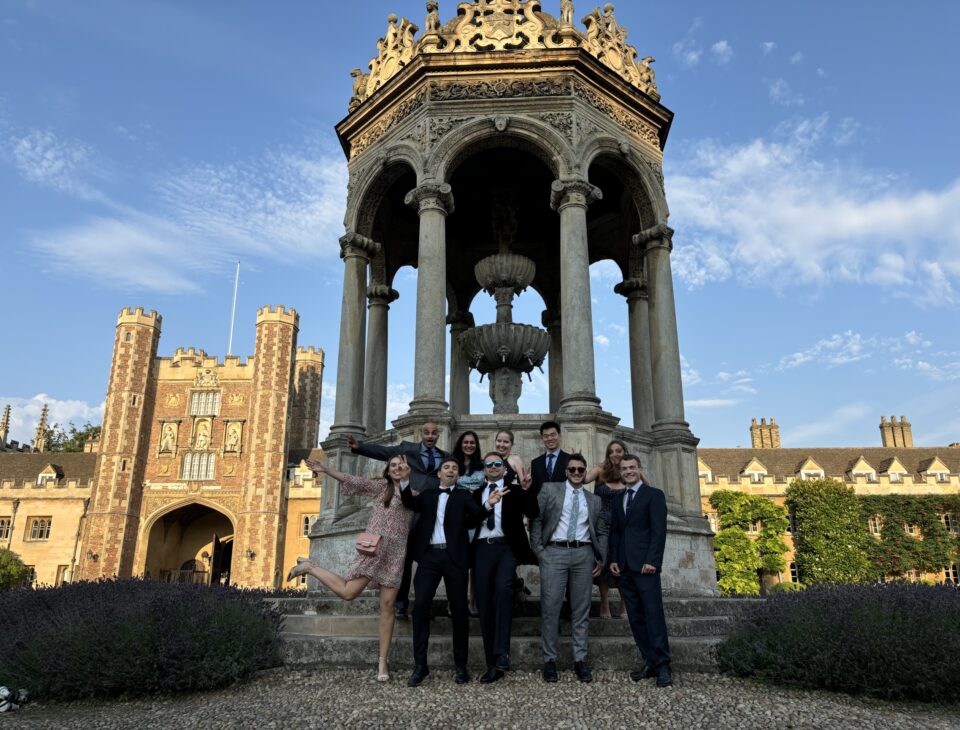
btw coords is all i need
(129, 315)
(278, 313)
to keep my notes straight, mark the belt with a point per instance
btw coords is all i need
(570, 543)
(491, 540)
(439, 546)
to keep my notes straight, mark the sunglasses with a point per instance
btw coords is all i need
(576, 469)
(491, 464)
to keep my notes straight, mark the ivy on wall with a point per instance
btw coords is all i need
(741, 561)
(896, 551)
(831, 544)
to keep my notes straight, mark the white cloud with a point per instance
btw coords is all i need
(797, 57)
(688, 374)
(849, 347)
(687, 50)
(606, 271)
(937, 373)
(722, 52)
(399, 396)
(846, 131)
(821, 73)
(782, 93)
(602, 340)
(827, 425)
(767, 47)
(839, 349)
(775, 212)
(43, 158)
(710, 403)
(25, 414)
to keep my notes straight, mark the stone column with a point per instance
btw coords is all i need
(641, 370)
(570, 199)
(459, 367)
(664, 345)
(379, 297)
(433, 202)
(355, 250)
(551, 321)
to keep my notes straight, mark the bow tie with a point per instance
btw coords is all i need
(445, 490)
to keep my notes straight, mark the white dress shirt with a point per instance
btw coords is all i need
(439, 537)
(497, 530)
(583, 521)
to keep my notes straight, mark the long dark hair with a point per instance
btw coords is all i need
(468, 465)
(387, 496)
(610, 472)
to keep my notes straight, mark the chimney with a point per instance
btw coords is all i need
(764, 436)
(886, 433)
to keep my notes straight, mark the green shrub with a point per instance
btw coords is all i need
(896, 641)
(13, 572)
(133, 637)
(784, 587)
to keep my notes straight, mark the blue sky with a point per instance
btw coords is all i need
(812, 171)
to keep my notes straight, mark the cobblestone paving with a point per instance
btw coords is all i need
(352, 698)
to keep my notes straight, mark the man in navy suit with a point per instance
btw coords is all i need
(638, 533)
(424, 460)
(441, 547)
(551, 465)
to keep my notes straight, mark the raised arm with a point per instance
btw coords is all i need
(376, 451)
(592, 475)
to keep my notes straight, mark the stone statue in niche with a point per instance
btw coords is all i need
(234, 431)
(201, 439)
(168, 438)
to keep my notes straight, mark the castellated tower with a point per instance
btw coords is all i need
(262, 517)
(307, 386)
(110, 529)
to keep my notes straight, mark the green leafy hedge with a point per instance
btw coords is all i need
(133, 637)
(897, 552)
(740, 559)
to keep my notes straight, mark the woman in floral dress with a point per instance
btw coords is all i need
(390, 520)
(609, 486)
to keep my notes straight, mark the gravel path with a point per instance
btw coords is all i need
(347, 697)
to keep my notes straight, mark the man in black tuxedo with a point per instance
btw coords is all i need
(424, 459)
(441, 547)
(550, 466)
(638, 533)
(500, 546)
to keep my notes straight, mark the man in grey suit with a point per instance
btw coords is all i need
(424, 459)
(570, 539)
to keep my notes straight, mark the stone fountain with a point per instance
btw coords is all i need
(506, 349)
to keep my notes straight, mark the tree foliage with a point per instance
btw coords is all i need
(831, 544)
(897, 552)
(13, 572)
(741, 561)
(70, 439)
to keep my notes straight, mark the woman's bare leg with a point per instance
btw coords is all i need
(604, 599)
(623, 605)
(346, 589)
(388, 618)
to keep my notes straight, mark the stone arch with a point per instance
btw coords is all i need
(213, 508)
(638, 172)
(531, 135)
(369, 184)
(166, 509)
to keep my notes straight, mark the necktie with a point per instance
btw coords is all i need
(492, 519)
(630, 495)
(431, 464)
(550, 466)
(574, 516)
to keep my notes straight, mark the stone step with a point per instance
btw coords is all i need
(328, 605)
(694, 654)
(367, 625)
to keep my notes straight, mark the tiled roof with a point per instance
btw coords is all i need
(835, 462)
(26, 467)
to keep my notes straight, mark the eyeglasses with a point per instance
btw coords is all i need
(491, 464)
(576, 469)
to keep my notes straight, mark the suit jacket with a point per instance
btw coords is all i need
(550, 501)
(461, 514)
(638, 537)
(538, 470)
(420, 478)
(517, 504)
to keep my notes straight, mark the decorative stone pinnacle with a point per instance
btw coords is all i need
(658, 236)
(357, 245)
(382, 294)
(573, 192)
(436, 196)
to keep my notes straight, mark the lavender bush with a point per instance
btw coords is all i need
(896, 641)
(133, 637)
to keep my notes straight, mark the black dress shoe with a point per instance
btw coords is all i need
(664, 677)
(461, 676)
(583, 671)
(491, 675)
(550, 672)
(645, 672)
(419, 674)
(503, 663)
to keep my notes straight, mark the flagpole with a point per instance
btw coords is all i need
(233, 310)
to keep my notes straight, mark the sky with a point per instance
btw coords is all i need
(812, 173)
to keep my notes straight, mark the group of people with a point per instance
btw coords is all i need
(470, 510)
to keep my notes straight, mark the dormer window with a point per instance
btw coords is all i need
(47, 480)
(756, 477)
(895, 477)
(811, 474)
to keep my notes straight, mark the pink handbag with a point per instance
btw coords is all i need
(368, 543)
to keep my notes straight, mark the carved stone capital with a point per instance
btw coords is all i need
(631, 289)
(573, 192)
(460, 320)
(381, 294)
(658, 236)
(550, 318)
(431, 196)
(354, 245)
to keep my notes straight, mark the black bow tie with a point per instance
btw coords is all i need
(445, 490)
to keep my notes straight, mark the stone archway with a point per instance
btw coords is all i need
(190, 544)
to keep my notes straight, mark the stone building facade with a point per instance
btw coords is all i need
(895, 467)
(197, 474)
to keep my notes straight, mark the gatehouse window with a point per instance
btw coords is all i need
(31, 574)
(38, 528)
(198, 466)
(205, 403)
(307, 524)
(5, 526)
(794, 573)
(951, 574)
(951, 523)
(875, 524)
